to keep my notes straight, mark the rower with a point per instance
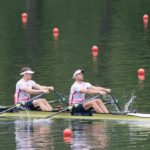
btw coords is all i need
(77, 95)
(25, 87)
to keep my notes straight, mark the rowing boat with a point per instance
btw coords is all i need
(67, 115)
(8, 112)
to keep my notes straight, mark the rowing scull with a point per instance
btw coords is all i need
(67, 115)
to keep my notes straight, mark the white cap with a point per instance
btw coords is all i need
(28, 71)
(77, 72)
(25, 70)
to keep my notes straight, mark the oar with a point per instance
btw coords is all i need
(19, 104)
(60, 96)
(54, 101)
(70, 107)
(115, 103)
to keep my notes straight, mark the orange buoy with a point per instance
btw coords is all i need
(95, 51)
(145, 17)
(67, 133)
(55, 36)
(24, 17)
(68, 140)
(55, 33)
(141, 74)
(94, 48)
(145, 20)
(56, 30)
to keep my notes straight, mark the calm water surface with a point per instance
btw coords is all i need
(87, 135)
(116, 27)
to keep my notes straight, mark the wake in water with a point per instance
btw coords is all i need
(45, 121)
(130, 102)
(31, 120)
(107, 99)
(34, 121)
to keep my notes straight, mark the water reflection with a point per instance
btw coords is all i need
(137, 132)
(89, 135)
(33, 135)
(95, 64)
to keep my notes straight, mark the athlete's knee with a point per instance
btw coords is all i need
(38, 101)
(42, 100)
(94, 101)
(99, 101)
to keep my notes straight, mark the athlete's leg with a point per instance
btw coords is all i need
(92, 104)
(101, 105)
(47, 105)
(42, 104)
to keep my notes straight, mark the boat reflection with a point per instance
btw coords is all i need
(89, 135)
(33, 135)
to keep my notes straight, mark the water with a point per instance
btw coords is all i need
(129, 103)
(87, 135)
(115, 26)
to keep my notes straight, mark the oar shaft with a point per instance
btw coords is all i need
(8, 109)
(60, 96)
(53, 101)
(36, 97)
(57, 94)
(115, 102)
(89, 99)
(57, 113)
(19, 104)
(70, 107)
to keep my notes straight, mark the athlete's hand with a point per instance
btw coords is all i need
(46, 91)
(51, 88)
(108, 90)
(102, 93)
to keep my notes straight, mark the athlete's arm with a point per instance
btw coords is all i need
(33, 91)
(107, 90)
(40, 87)
(92, 91)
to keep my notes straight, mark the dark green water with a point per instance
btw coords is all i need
(87, 135)
(116, 27)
